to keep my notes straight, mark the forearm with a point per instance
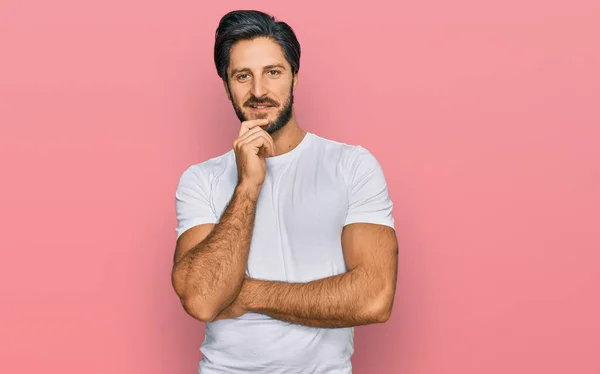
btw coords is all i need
(350, 299)
(210, 275)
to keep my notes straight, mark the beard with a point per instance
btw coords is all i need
(282, 118)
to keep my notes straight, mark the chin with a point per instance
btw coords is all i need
(261, 116)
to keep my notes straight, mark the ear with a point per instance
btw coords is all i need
(295, 81)
(226, 84)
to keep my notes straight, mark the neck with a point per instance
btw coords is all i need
(288, 137)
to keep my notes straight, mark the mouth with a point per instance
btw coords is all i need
(260, 108)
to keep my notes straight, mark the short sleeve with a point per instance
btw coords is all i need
(369, 201)
(192, 200)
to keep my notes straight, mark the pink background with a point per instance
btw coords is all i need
(485, 117)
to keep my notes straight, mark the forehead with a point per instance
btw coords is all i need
(255, 54)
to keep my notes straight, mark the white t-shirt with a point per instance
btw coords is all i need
(309, 194)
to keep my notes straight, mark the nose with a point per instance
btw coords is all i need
(259, 88)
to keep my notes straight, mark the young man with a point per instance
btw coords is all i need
(287, 241)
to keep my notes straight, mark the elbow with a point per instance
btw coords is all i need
(379, 310)
(193, 305)
(383, 315)
(198, 309)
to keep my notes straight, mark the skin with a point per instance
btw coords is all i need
(361, 296)
(210, 260)
(258, 70)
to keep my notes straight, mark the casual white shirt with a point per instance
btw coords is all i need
(309, 194)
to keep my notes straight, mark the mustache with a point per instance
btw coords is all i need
(255, 101)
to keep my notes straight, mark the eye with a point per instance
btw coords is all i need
(274, 72)
(242, 76)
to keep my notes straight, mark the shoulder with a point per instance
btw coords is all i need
(349, 156)
(205, 172)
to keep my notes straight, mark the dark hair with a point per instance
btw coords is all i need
(249, 24)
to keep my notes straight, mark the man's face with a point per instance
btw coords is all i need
(260, 82)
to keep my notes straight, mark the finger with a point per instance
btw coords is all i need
(271, 147)
(221, 316)
(247, 125)
(244, 137)
(258, 140)
(251, 134)
(247, 135)
(218, 317)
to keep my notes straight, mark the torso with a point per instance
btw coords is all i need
(300, 215)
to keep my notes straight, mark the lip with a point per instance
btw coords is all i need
(260, 109)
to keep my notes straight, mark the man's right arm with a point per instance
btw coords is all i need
(210, 260)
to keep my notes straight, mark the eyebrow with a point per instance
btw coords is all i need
(273, 66)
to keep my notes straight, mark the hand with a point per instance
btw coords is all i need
(236, 308)
(233, 310)
(251, 147)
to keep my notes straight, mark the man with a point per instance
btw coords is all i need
(286, 242)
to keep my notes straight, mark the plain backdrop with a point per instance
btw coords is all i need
(484, 116)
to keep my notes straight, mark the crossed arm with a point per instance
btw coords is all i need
(361, 296)
(210, 259)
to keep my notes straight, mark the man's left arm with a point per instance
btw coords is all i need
(361, 296)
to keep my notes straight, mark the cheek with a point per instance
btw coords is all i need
(239, 99)
(280, 95)
(239, 94)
